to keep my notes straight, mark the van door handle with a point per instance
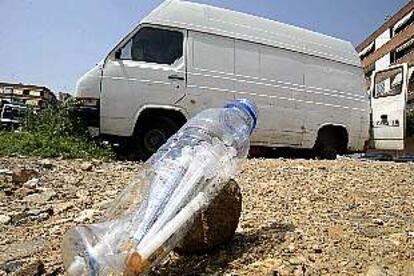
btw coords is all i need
(175, 77)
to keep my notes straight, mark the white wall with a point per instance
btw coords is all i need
(385, 61)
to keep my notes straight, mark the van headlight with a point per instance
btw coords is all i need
(87, 102)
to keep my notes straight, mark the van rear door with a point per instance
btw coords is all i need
(388, 103)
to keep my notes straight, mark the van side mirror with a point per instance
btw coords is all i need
(118, 54)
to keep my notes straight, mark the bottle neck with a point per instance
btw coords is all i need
(247, 108)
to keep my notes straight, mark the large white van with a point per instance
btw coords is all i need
(185, 57)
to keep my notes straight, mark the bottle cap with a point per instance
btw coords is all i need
(247, 107)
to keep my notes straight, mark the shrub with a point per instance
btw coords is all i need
(60, 120)
(56, 131)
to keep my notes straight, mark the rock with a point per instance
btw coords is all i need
(299, 271)
(23, 192)
(375, 270)
(18, 217)
(298, 260)
(34, 268)
(39, 198)
(63, 207)
(291, 248)
(46, 163)
(5, 172)
(20, 176)
(336, 232)
(40, 214)
(11, 266)
(32, 183)
(21, 250)
(379, 222)
(409, 268)
(4, 219)
(317, 249)
(86, 166)
(217, 224)
(283, 270)
(85, 215)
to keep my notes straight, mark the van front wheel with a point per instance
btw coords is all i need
(153, 134)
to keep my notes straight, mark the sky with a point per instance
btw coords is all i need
(54, 42)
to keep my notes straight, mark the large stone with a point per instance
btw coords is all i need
(217, 224)
(20, 176)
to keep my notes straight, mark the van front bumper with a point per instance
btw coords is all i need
(89, 113)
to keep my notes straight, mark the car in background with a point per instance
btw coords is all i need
(11, 115)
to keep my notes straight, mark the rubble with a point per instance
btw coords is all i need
(299, 217)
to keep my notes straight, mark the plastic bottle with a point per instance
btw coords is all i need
(155, 211)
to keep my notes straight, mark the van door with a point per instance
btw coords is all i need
(388, 103)
(210, 72)
(148, 68)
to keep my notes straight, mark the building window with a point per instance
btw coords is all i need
(8, 90)
(26, 92)
(402, 51)
(369, 70)
(367, 50)
(411, 83)
(404, 23)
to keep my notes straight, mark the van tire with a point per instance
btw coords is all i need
(152, 134)
(327, 152)
(331, 141)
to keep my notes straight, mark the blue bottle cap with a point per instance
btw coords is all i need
(246, 106)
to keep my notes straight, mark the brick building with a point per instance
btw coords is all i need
(33, 95)
(391, 44)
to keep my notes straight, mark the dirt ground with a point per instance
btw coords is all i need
(299, 217)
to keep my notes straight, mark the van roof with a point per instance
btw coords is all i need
(209, 19)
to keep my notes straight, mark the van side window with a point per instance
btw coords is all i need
(388, 83)
(154, 46)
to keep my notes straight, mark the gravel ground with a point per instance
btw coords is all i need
(299, 217)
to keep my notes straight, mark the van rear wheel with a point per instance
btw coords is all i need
(152, 135)
(331, 141)
(326, 152)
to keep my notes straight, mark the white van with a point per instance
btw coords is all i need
(185, 57)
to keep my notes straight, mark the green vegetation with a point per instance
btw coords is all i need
(53, 132)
